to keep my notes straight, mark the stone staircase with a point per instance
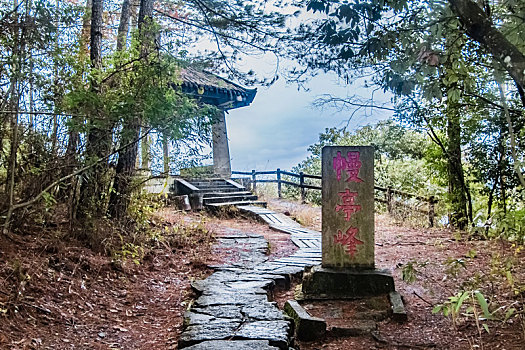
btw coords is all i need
(218, 192)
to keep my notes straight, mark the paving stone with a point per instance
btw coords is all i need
(243, 285)
(233, 311)
(210, 331)
(291, 270)
(230, 299)
(193, 318)
(233, 345)
(220, 311)
(262, 312)
(233, 283)
(222, 288)
(277, 332)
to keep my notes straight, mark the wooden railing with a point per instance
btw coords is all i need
(279, 180)
(388, 197)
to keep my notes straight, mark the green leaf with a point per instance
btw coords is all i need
(486, 327)
(437, 309)
(484, 305)
(452, 78)
(509, 314)
(461, 299)
(446, 311)
(472, 254)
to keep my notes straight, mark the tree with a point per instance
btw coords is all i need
(400, 157)
(100, 129)
(131, 127)
(480, 28)
(418, 51)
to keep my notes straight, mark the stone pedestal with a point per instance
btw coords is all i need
(345, 283)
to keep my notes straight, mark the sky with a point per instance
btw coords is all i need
(277, 128)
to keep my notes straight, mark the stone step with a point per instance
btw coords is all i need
(219, 190)
(229, 198)
(205, 185)
(221, 194)
(258, 203)
(218, 187)
(218, 180)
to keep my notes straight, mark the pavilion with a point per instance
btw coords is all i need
(211, 89)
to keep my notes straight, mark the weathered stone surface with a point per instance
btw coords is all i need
(230, 299)
(221, 151)
(220, 311)
(306, 327)
(249, 250)
(348, 206)
(325, 283)
(262, 312)
(233, 311)
(233, 283)
(216, 289)
(210, 331)
(398, 309)
(233, 345)
(193, 318)
(277, 332)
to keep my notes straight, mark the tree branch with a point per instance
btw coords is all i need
(480, 28)
(62, 179)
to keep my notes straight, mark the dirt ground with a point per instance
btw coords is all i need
(57, 294)
(443, 265)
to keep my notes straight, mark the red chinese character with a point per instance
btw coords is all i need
(340, 164)
(348, 206)
(353, 164)
(348, 240)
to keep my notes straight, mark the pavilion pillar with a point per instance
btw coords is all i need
(221, 151)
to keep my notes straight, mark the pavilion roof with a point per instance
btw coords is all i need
(214, 90)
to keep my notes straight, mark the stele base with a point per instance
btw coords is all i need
(345, 283)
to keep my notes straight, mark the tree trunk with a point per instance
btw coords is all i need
(73, 136)
(457, 188)
(86, 27)
(458, 216)
(13, 121)
(95, 53)
(480, 28)
(123, 27)
(99, 138)
(146, 30)
(121, 195)
(134, 13)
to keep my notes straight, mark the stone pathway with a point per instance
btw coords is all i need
(233, 310)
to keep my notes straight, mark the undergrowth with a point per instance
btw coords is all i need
(482, 297)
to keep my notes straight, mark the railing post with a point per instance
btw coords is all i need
(389, 199)
(431, 211)
(303, 189)
(254, 182)
(279, 183)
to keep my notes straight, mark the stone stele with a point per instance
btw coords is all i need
(348, 269)
(348, 207)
